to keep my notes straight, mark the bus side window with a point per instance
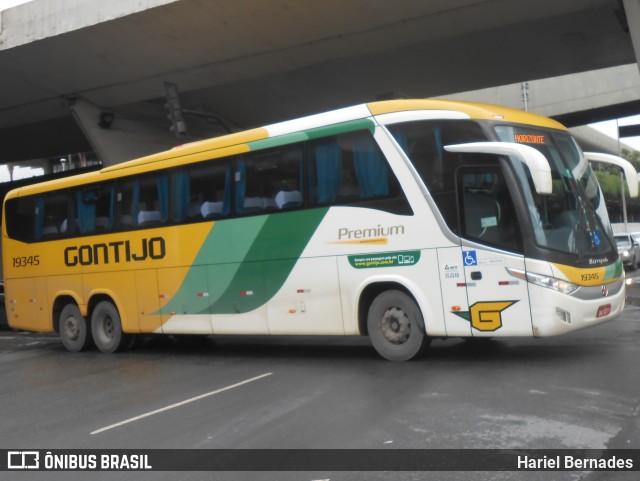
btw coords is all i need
(51, 211)
(22, 214)
(423, 142)
(143, 201)
(269, 180)
(128, 194)
(350, 169)
(93, 210)
(105, 208)
(201, 191)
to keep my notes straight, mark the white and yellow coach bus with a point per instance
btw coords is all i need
(403, 220)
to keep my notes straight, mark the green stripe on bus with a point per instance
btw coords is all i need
(225, 247)
(246, 262)
(341, 128)
(613, 271)
(285, 139)
(282, 238)
(310, 134)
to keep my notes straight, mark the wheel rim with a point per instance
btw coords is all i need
(107, 328)
(395, 325)
(72, 328)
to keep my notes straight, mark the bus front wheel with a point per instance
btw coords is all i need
(74, 329)
(396, 327)
(107, 328)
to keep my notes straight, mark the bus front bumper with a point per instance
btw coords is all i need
(555, 313)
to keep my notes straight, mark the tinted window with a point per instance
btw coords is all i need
(93, 210)
(424, 142)
(487, 212)
(201, 191)
(350, 169)
(143, 201)
(269, 180)
(347, 169)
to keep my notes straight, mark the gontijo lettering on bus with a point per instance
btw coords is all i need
(114, 252)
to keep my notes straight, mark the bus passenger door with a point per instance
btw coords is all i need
(492, 242)
(454, 292)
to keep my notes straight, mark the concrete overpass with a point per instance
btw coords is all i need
(574, 100)
(64, 63)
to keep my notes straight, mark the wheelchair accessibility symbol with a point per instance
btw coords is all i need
(469, 258)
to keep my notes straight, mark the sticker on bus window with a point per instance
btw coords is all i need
(489, 222)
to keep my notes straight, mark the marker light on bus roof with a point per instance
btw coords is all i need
(559, 285)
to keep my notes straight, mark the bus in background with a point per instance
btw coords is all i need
(402, 220)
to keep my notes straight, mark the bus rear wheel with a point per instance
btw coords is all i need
(74, 329)
(107, 329)
(396, 326)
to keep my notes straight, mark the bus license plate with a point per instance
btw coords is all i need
(604, 310)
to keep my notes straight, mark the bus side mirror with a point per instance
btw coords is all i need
(627, 167)
(537, 163)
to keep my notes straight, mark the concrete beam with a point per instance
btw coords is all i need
(42, 19)
(126, 137)
(632, 13)
(556, 96)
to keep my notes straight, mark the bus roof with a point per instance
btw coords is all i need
(298, 129)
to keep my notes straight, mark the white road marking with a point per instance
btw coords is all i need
(181, 403)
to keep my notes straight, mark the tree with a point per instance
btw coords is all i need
(632, 156)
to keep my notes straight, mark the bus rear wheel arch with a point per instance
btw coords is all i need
(106, 328)
(395, 325)
(74, 329)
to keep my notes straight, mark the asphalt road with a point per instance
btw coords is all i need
(577, 391)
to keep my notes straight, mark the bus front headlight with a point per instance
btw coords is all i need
(554, 283)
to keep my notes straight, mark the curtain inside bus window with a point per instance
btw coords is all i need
(371, 169)
(86, 207)
(162, 184)
(328, 171)
(130, 202)
(111, 209)
(39, 217)
(181, 195)
(241, 185)
(135, 201)
(437, 138)
(226, 209)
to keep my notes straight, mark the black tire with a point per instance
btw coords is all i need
(107, 329)
(396, 327)
(74, 329)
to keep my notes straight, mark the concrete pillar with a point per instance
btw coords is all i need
(122, 137)
(632, 11)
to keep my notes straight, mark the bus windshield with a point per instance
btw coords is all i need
(573, 219)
